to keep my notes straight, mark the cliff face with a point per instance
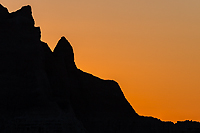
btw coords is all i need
(44, 91)
(21, 69)
(31, 96)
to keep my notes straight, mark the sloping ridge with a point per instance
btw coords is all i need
(94, 101)
(43, 91)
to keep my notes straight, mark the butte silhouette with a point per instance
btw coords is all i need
(44, 92)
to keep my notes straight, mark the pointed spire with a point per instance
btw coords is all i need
(64, 52)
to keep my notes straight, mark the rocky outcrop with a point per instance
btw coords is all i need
(30, 99)
(96, 102)
(43, 91)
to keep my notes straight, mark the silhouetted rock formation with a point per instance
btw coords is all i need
(95, 101)
(29, 97)
(43, 91)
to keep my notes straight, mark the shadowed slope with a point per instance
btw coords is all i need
(94, 100)
(3, 12)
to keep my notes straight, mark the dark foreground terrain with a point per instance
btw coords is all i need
(44, 92)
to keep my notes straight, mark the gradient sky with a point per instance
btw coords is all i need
(150, 47)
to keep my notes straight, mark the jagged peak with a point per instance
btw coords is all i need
(64, 51)
(23, 15)
(25, 12)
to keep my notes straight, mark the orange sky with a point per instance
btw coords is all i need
(151, 48)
